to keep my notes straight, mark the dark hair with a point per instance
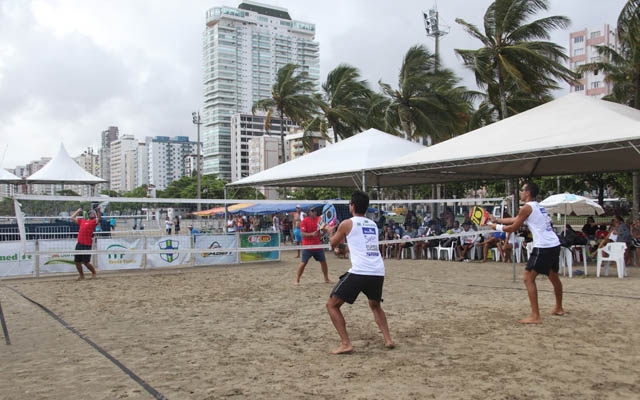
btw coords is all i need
(360, 201)
(532, 188)
(619, 218)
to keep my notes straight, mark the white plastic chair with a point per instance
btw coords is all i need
(518, 249)
(580, 254)
(615, 252)
(566, 261)
(448, 250)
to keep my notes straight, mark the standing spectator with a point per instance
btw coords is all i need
(297, 234)
(285, 226)
(176, 224)
(275, 223)
(167, 225)
(85, 239)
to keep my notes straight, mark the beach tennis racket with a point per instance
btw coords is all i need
(479, 215)
(328, 217)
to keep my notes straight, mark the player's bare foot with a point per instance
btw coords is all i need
(343, 349)
(328, 281)
(390, 345)
(484, 260)
(81, 277)
(556, 311)
(530, 320)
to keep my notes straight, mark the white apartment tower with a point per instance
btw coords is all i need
(121, 165)
(243, 48)
(107, 137)
(166, 159)
(582, 50)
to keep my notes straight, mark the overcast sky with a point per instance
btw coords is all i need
(71, 68)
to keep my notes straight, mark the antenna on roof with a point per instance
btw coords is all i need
(433, 28)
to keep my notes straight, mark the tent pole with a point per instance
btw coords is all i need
(364, 181)
(226, 206)
(513, 207)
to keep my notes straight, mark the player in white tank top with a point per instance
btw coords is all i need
(544, 258)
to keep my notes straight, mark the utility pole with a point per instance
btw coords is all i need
(197, 121)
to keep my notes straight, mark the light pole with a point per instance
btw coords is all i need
(197, 121)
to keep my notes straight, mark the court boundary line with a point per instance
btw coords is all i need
(152, 391)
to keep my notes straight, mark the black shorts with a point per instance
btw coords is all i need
(82, 258)
(350, 285)
(544, 260)
(317, 254)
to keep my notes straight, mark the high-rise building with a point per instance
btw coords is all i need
(582, 50)
(121, 165)
(107, 137)
(245, 127)
(243, 48)
(166, 157)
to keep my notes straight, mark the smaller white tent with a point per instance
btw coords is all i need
(62, 169)
(8, 177)
(342, 164)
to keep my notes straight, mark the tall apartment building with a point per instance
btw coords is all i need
(107, 137)
(90, 162)
(582, 50)
(245, 127)
(264, 153)
(122, 169)
(243, 48)
(166, 159)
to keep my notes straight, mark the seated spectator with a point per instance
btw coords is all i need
(408, 234)
(423, 246)
(620, 233)
(388, 234)
(590, 229)
(506, 246)
(467, 241)
(635, 239)
(491, 242)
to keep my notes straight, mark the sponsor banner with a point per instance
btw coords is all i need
(117, 256)
(259, 239)
(215, 249)
(60, 260)
(14, 261)
(171, 255)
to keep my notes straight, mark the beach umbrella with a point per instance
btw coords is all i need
(567, 203)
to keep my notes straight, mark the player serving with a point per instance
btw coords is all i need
(366, 274)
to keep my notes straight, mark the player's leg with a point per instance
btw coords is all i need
(303, 263)
(532, 292)
(381, 319)
(557, 291)
(333, 307)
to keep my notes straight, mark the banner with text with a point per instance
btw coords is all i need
(14, 262)
(252, 240)
(60, 260)
(213, 249)
(117, 256)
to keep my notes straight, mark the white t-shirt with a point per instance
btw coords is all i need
(364, 251)
(540, 226)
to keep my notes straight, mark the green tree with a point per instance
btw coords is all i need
(343, 103)
(427, 101)
(514, 58)
(622, 68)
(290, 97)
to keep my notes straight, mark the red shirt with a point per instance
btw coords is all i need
(85, 233)
(309, 225)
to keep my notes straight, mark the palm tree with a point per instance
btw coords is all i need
(427, 101)
(622, 68)
(343, 103)
(291, 97)
(513, 56)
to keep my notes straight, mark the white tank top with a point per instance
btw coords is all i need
(364, 252)
(539, 224)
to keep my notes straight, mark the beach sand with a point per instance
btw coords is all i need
(248, 332)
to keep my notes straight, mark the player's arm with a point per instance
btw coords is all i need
(98, 213)
(337, 236)
(518, 220)
(74, 216)
(504, 221)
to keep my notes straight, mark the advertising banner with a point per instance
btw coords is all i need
(13, 261)
(60, 260)
(213, 249)
(117, 256)
(252, 240)
(171, 255)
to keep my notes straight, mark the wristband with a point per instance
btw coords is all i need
(500, 228)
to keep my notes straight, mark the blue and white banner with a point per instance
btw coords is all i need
(171, 256)
(213, 249)
(14, 262)
(117, 256)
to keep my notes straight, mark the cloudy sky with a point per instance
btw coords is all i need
(71, 68)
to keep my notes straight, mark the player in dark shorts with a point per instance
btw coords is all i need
(546, 249)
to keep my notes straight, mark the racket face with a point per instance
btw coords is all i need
(328, 215)
(479, 215)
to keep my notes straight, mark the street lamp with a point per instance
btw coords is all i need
(197, 121)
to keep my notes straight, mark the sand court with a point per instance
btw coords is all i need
(246, 331)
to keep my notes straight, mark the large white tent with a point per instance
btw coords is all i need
(570, 135)
(62, 169)
(339, 165)
(8, 177)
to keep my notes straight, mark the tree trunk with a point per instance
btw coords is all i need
(503, 96)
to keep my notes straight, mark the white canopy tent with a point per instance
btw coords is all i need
(8, 177)
(570, 135)
(339, 165)
(62, 169)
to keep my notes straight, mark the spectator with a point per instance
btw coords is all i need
(176, 224)
(467, 241)
(194, 232)
(408, 234)
(590, 228)
(167, 225)
(285, 226)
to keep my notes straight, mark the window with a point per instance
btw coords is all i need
(595, 34)
(578, 39)
(595, 85)
(578, 52)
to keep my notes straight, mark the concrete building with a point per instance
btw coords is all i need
(120, 163)
(582, 50)
(107, 137)
(296, 147)
(245, 127)
(166, 159)
(243, 48)
(90, 162)
(264, 153)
